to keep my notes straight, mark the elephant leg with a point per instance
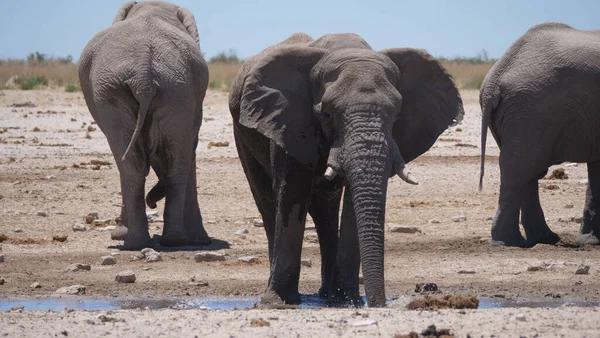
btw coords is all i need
(132, 188)
(174, 231)
(261, 187)
(532, 217)
(345, 288)
(590, 228)
(324, 209)
(293, 189)
(192, 217)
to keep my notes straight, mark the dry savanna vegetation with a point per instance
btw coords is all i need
(39, 71)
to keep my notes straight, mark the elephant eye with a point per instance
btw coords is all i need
(326, 115)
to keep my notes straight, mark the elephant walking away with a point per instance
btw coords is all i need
(144, 81)
(541, 101)
(315, 118)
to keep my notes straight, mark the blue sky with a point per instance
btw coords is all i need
(443, 27)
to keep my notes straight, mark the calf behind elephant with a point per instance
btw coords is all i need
(541, 101)
(144, 81)
(312, 118)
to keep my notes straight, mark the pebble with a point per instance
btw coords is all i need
(258, 222)
(51, 177)
(60, 238)
(1, 281)
(107, 260)
(578, 220)
(582, 269)
(78, 227)
(248, 259)
(197, 282)
(35, 285)
(153, 216)
(490, 218)
(311, 238)
(306, 262)
(211, 221)
(466, 272)
(460, 218)
(125, 277)
(569, 206)
(434, 221)
(242, 231)
(18, 231)
(1, 258)
(521, 317)
(41, 214)
(79, 267)
(583, 181)
(395, 228)
(537, 267)
(366, 322)
(209, 257)
(565, 219)
(72, 290)
(91, 217)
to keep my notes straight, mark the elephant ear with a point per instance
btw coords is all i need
(277, 100)
(123, 11)
(430, 101)
(187, 20)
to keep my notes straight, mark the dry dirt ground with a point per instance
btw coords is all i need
(47, 184)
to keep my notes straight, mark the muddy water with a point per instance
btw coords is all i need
(308, 302)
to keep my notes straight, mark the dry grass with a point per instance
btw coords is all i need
(467, 75)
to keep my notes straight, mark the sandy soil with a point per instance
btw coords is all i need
(44, 170)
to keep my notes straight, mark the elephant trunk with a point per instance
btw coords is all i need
(367, 167)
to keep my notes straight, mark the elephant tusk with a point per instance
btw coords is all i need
(330, 173)
(406, 176)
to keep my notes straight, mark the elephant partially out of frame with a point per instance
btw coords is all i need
(541, 101)
(313, 118)
(144, 81)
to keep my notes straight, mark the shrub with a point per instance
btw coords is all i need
(72, 87)
(27, 83)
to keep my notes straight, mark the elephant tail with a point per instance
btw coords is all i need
(144, 99)
(489, 97)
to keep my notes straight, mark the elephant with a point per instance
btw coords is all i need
(144, 80)
(541, 102)
(315, 119)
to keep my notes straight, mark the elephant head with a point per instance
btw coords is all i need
(179, 16)
(364, 114)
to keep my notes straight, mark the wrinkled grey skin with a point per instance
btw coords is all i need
(541, 101)
(303, 105)
(144, 80)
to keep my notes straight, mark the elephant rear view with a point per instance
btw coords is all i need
(144, 81)
(541, 101)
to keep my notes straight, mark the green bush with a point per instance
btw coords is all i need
(72, 87)
(214, 84)
(475, 82)
(27, 83)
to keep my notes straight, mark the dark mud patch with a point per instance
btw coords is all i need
(446, 302)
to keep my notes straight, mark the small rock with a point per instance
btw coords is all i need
(582, 269)
(100, 223)
(152, 216)
(460, 218)
(79, 267)
(558, 174)
(51, 177)
(78, 227)
(18, 231)
(258, 222)
(395, 228)
(239, 223)
(153, 257)
(466, 272)
(227, 220)
(211, 221)
(242, 231)
(125, 277)
(306, 262)
(60, 238)
(583, 181)
(578, 220)
(569, 206)
(1, 281)
(107, 260)
(311, 238)
(41, 214)
(1, 258)
(434, 221)
(72, 290)
(521, 317)
(209, 257)
(259, 323)
(565, 219)
(248, 259)
(35, 285)
(91, 217)
(537, 267)
(490, 218)
(366, 322)
(198, 282)
(426, 287)
(250, 217)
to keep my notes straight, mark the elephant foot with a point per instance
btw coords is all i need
(198, 236)
(270, 297)
(200, 241)
(342, 298)
(137, 243)
(548, 238)
(174, 239)
(588, 239)
(119, 233)
(519, 242)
